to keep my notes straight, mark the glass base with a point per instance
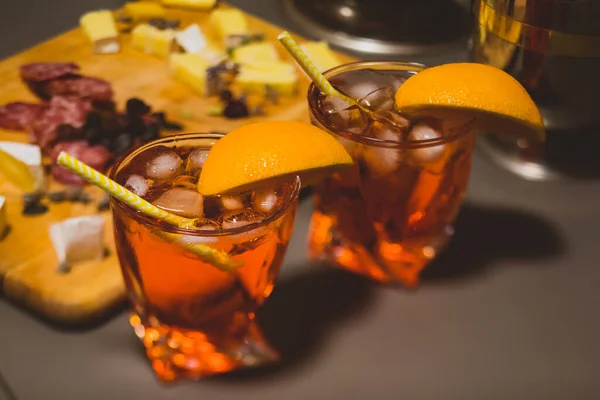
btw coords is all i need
(176, 353)
(384, 262)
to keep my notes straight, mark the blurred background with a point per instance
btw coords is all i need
(540, 42)
(432, 29)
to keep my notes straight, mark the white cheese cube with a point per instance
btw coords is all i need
(78, 239)
(32, 156)
(191, 39)
(100, 28)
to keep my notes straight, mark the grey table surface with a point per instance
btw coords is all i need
(509, 311)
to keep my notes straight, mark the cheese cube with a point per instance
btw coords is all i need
(32, 156)
(78, 239)
(139, 37)
(191, 4)
(3, 217)
(161, 42)
(252, 53)
(153, 41)
(228, 22)
(278, 75)
(141, 11)
(101, 30)
(321, 55)
(190, 69)
(191, 39)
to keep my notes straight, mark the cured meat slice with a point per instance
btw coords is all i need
(96, 156)
(18, 116)
(61, 115)
(95, 89)
(43, 71)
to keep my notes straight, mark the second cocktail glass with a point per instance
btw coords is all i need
(390, 214)
(194, 319)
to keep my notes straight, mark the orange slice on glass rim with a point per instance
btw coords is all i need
(498, 102)
(260, 152)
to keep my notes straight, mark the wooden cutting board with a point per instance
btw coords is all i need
(27, 258)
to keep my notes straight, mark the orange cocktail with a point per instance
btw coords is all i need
(410, 131)
(193, 318)
(392, 212)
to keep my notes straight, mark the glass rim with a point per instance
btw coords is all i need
(166, 227)
(313, 92)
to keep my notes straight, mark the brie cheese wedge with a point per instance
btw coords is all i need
(78, 239)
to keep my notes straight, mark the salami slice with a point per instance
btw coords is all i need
(95, 89)
(61, 111)
(96, 157)
(38, 72)
(18, 116)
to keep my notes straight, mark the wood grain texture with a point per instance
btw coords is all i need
(27, 258)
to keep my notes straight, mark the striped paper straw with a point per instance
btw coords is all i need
(212, 256)
(309, 67)
(114, 189)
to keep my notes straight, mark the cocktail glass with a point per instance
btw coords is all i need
(390, 214)
(193, 318)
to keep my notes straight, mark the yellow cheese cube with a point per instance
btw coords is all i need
(161, 42)
(100, 28)
(190, 69)
(255, 52)
(228, 22)
(277, 75)
(191, 4)
(321, 55)
(141, 11)
(153, 41)
(139, 37)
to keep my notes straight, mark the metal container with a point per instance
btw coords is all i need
(385, 27)
(553, 48)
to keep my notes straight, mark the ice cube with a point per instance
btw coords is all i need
(138, 185)
(430, 153)
(196, 159)
(392, 117)
(164, 165)
(361, 89)
(207, 225)
(379, 100)
(232, 202)
(397, 82)
(264, 200)
(350, 145)
(247, 240)
(184, 202)
(334, 104)
(243, 217)
(185, 181)
(353, 120)
(358, 84)
(382, 160)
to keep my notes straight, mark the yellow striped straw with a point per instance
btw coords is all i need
(212, 256)
(114, 189)
(309, 67)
